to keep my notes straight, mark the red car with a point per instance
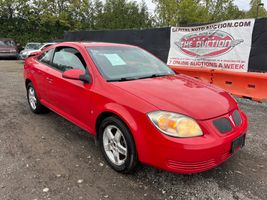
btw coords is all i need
(136, 107)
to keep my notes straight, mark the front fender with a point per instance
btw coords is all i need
(129, 117)
(123, 113)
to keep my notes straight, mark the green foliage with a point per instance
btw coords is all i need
(252, 13)
(44, 20)
(184, 12)
(121, 14)
(220, 10)
(191, 11)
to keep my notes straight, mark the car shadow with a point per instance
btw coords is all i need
(229, 176)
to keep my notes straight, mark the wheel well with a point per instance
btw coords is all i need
(105, 115)
(100, 118)
(27, 82)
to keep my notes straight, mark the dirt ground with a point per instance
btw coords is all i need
(47, 157)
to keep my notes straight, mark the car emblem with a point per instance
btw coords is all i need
(232, 120)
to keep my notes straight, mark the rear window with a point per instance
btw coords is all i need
(7, 43)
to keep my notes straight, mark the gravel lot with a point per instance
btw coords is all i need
(47, 157)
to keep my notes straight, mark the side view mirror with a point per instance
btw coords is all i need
(77, 74)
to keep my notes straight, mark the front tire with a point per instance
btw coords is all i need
(117, 145)
(35, 105)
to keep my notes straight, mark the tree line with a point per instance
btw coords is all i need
(44, 20)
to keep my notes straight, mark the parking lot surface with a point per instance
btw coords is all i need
(47, 157)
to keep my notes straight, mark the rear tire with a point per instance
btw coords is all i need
(34, 103)
(117, 145)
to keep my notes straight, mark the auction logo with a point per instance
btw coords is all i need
(207, 44)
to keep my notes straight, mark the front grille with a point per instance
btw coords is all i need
(223, 125)
(237, 118)
(191, 166)
(227, 123)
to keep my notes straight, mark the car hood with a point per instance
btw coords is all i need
(181, 94)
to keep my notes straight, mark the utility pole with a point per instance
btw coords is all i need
(258, 7)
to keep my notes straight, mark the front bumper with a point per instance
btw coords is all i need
(187, 155)
(23, 56)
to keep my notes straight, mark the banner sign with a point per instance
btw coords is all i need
(225, 45)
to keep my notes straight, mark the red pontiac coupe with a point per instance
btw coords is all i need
(137, 108)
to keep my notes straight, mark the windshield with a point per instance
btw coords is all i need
(127, 63)
(7, 43)
(33, 46)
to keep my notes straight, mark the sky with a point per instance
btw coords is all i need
(242, 4)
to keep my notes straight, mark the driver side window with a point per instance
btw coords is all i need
(67, 58)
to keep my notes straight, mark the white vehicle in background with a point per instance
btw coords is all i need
(33, 48)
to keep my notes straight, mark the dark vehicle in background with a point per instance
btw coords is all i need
(32, 46)
(8, 48)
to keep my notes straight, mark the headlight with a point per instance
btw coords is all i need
(175, 125)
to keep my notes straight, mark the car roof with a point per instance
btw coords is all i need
(48, 43)
(7, 39)
(95, 44)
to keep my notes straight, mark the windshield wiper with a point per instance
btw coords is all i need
(122, 79)
(154, 76)
(137, 78)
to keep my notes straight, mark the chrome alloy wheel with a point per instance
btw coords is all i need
(115, 145)
(32, 98)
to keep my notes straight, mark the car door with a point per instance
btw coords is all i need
(40, 72)
(70, 98)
